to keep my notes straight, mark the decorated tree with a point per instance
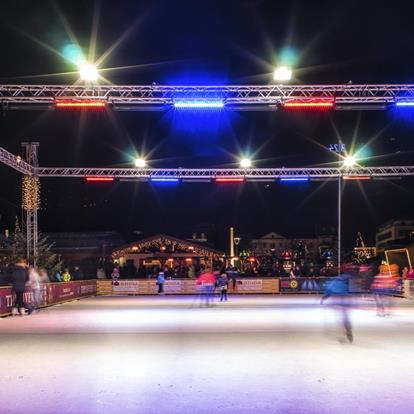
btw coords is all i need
(14, 246)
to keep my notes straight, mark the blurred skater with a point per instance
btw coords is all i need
(160, 283)
(384, 285)
(19, 280)
(34, 283)
(338, 289)
(206, 281)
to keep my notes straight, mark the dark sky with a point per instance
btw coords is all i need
(210, 42)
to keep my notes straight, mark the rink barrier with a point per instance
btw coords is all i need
(243, 285)
(52, 294)
(182, 286)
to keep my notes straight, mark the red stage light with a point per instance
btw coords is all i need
(357, 177)
(102, 179)
(79, 104)
(230, 180)
(312, 104)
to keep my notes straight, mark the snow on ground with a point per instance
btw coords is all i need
(254, 354)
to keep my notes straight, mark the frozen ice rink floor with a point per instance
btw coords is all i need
(254, 354)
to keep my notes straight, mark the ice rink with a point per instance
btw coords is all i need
(254, 354)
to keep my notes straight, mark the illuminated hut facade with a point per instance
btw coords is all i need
(165, 251)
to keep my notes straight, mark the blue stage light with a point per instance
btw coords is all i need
(165, 180)
(297, 179)
(206, 104)
(405, 103)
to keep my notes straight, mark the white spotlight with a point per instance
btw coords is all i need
(88, 72)
(282, 73)
(349, 161)
(245, 163)
(140, 163)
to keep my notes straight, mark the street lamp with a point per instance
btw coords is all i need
(236, 243)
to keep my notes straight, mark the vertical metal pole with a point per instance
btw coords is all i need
(339, 221)
(232, 246)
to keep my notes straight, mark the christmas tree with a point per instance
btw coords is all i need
(14, 246)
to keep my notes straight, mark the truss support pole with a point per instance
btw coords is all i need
(31, 201)
(339, 222)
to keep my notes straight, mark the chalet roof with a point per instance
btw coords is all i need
(272, 235)
(165, 239)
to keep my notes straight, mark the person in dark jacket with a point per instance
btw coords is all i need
(19, 280)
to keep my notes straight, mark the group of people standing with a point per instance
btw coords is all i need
(209, 281)
(23, 277)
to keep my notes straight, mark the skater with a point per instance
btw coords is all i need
(384, 285)
(207, 282)
(222, 283)
(115, 276)
(338, 289)
(19, 280)
(160, 283)
(34, 283)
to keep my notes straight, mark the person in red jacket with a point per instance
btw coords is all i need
(206, 281)
(384, 285)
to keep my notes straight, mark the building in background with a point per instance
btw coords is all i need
(275, 244)
(394, 232)
(87, 250)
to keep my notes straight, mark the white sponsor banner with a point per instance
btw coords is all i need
(126, 286)
(250, 284)
(172, 286)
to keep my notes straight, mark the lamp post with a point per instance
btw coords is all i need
(236, 244)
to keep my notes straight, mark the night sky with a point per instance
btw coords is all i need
(210, 42)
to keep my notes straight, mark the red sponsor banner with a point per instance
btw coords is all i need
(51, 293)
(6, 299)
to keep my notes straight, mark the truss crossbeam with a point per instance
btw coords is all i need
(232, 95)
(15, 162)
(212, 173)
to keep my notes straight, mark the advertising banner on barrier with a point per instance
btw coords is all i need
(127, 286)
(250, 285)
(6, 299)
(63, 292)
(51, 293)
(289, 285)
(173, 286)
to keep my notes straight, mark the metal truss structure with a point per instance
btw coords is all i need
(31, 170)
(15, 162)
(31, 206)
(212, 173)
(249, 97)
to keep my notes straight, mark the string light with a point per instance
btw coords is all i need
(31, 193)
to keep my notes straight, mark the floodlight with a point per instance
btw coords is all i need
(140, 163)
(88, 72)
(245, 163)
(282, 73)
(350, 161)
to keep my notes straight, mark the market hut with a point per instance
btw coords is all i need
(163, 251)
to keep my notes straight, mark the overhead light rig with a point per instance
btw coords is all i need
(232, 97)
